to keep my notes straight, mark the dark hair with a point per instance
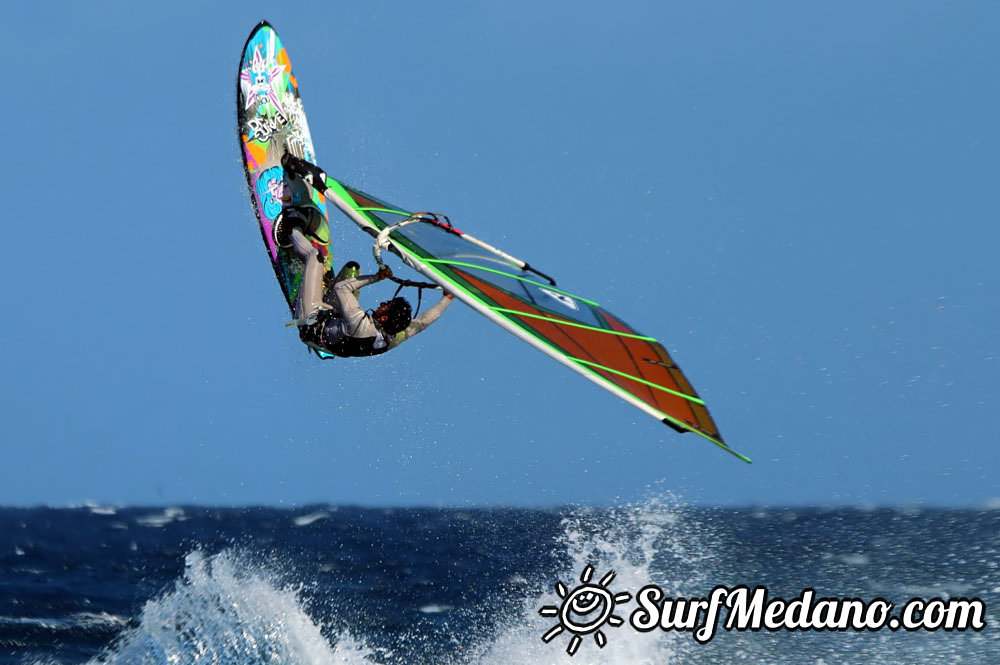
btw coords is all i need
(399, 316)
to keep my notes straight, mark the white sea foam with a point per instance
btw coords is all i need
(101, 619)
(638, 543)
(436, 609)
(226, 612)
(78, 620)
(98, 509)
(157, 520)
(848, 559)
(306, 520)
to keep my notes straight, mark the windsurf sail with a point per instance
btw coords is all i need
(573, 330)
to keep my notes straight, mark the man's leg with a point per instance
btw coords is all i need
(356, 322)
(311, 290)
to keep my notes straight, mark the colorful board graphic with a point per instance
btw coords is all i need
(271, 122)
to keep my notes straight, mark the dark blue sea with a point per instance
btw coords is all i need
(327, 584)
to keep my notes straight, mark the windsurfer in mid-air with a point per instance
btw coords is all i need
(333, 322)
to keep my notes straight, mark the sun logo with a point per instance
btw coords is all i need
(584, 610)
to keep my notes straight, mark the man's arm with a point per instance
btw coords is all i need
(421, 322)
(344, 290)
(361, 281)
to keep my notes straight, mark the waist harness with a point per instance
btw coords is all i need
(345, 347)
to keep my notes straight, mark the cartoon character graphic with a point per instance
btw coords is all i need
(271, 191)
(261, 80)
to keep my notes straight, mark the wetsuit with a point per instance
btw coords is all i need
(342, 327)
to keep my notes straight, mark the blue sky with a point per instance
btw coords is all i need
(799, 200)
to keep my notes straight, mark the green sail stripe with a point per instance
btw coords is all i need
(513, 276)
(690, 398)
(390, 210)
(709, 437)
(342, 192)
(563, 322)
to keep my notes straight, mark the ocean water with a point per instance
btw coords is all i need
(326, 584)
